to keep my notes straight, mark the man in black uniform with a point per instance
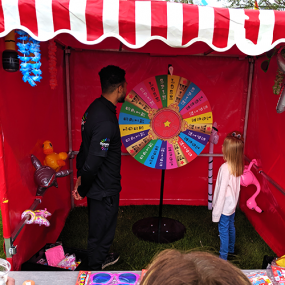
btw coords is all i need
(98, 166)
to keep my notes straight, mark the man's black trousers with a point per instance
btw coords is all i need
(102, 216)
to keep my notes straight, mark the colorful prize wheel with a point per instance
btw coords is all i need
(165, 122)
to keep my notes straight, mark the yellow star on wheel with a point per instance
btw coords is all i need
(167, 124)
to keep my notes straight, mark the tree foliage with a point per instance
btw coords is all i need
(263, 4)
(247, 4)
(183, 1)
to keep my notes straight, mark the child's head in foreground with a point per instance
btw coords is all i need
(172, 267)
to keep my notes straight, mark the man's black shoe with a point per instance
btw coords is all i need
(111, 259)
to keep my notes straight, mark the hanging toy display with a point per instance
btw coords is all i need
(53, 159)
(278, 87)
(10, 61)
(280, 108)
(248, 178)
(52, 64)
(278, 82)
(281, 59)
(30, 61)
(45, 176)
(37, 217)
(280, 79)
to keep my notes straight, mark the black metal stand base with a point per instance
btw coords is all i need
(148, 229)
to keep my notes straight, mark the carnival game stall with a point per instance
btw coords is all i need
(230, 55)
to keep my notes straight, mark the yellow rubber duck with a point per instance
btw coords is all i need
(281, 261)
(52, 159)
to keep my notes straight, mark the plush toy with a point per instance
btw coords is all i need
(52, 159)
(246, 179)
(281, 63)
(37, 217)
(45, 176)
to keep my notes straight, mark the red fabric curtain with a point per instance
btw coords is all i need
(224, 82)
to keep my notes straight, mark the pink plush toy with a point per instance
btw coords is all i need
(37, 217)
(246, 179)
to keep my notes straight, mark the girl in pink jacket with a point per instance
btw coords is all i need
(227, 192)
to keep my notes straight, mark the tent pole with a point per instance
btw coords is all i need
(160, 203)
(22, 223)
(5, 203)
(68, 105)
(250, 79)
(201, 154)
(9, 239)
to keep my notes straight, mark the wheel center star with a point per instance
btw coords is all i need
(167, 123)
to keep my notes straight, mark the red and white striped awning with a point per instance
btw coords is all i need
(135, 23)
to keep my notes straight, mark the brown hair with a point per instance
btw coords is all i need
(172, 267)
(233, 152)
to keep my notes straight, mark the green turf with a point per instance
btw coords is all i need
(201, 234)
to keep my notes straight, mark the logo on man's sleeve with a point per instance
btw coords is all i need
(104, 143)
(83, 121)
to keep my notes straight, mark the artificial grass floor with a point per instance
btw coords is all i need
(201, 234)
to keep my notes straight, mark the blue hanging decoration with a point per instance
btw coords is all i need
(30, 61)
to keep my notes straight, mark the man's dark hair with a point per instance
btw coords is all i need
(111, 77)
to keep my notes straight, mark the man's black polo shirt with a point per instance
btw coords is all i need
(99, 159)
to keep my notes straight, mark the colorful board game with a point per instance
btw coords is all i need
(165, 122)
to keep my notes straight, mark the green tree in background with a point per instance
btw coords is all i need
(183, 1)
(248, 4)
(263, 4)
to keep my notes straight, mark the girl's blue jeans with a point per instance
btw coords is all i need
(227, 235)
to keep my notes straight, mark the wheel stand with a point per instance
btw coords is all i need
(159, 229)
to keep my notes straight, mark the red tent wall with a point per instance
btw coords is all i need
(265, 142)
(29, 116)
(223, 80)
